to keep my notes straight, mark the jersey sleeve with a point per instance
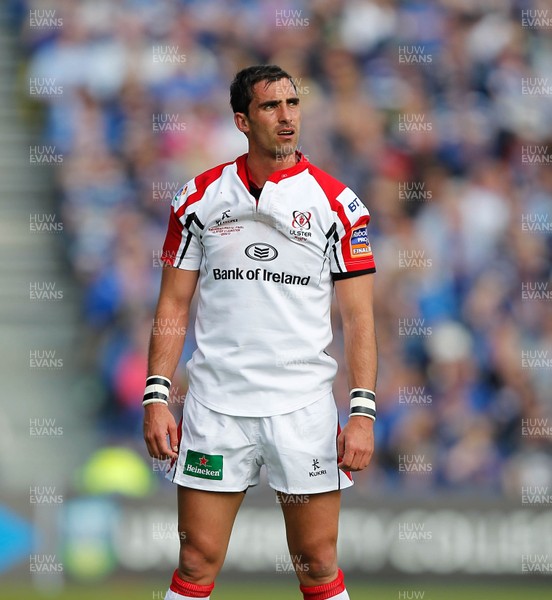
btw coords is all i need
(182, 247)
(351, 253)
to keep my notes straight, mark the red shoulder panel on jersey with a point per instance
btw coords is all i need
(331, 186)
(355, 247)
(202, 182)
(172, 239)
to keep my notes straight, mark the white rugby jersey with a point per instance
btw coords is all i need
(266, 282)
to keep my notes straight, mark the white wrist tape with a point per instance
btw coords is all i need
(363, 403)
(157, 390)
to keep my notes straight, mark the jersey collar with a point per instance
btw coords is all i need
(301, 164)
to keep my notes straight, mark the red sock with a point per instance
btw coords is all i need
(326, 590)
(190, 590)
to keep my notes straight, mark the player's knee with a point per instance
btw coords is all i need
(199, 563)
(320, 564)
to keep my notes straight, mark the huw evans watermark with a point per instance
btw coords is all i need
(168, 55)
(414, 191)
(536, 563)
(44, 155)
(46, 18)
(44, 427)
(414, 463)
(414, 327)
(41, 494)
(536, 222)
(44, 359)
(414, 122)
(535, 359)
(44, 87)
(537, 18)
(536, 494)
(44, 223)
(291, 564)
(536, 290)
(414, 532)
(536, 427)
(411, 54)
(166, 326)
(44, 290)
(291, 18)
(414, 395)
(536, 86)
(414, 259)
(44, 563)
(536, 155)
(164, 191)
(165, 122)
(167, 531)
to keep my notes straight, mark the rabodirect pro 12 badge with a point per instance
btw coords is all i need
(360, 246)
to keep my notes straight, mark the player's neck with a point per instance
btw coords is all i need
(261, 167)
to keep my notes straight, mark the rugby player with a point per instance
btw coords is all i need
(267, 238)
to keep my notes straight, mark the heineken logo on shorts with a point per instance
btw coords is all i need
(206, 466)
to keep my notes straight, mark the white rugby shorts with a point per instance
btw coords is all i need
(225, 453)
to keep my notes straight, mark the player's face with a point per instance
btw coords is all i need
(274, 120)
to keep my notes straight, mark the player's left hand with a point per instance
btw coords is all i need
(355, 444)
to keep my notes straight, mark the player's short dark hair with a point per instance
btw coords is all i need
(241, 89)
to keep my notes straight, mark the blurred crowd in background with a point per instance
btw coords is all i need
(437, 113)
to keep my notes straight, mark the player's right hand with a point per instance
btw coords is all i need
(158, 424)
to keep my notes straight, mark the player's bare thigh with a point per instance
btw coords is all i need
(205, 521)
(311, 530)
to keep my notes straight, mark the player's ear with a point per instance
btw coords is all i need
(242, 122)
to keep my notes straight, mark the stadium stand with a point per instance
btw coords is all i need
(437, 113)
